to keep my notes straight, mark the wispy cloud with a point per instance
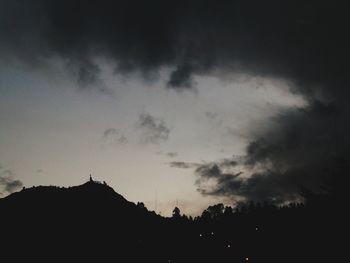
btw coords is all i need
(168, 154)
(153, 130)
(113, 137)
(184, 165)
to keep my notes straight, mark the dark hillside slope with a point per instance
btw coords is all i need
(92, 222)
(46, 220)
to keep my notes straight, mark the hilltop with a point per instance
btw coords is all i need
(63, 221)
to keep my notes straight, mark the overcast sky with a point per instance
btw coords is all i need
(185, 102)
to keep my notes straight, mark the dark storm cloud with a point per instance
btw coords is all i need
(183, 165)
(181, 77)
(211, 180)
(304, 42)
(208, 167)
(297, 39)
(303, 148)
(228, 163)
(154, 130)
(7, 183)
(10, 185)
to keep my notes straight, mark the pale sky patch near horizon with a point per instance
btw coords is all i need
(54, 133)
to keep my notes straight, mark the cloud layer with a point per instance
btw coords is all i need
(297, 39)
(302, 148)
(304, 42)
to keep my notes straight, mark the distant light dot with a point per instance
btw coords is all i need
(256, 228)
(228, 246)
(246, 259)
(212, 233)
(200, 235)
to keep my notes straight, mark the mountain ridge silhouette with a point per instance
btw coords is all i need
(90, 190)
(65, 221)
(92, 222)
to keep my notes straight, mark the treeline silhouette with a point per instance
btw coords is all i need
(92, 222)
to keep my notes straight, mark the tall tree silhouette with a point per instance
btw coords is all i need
(176, 213)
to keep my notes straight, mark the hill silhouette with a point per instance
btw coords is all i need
(91, 222)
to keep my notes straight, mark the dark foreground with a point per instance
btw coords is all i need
(92, 222)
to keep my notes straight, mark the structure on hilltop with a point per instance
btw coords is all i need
(96, 182)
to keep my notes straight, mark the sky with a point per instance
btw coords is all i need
(186, 103)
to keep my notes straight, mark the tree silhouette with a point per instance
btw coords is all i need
(176, 213)
(228, 211)
(215, 211)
